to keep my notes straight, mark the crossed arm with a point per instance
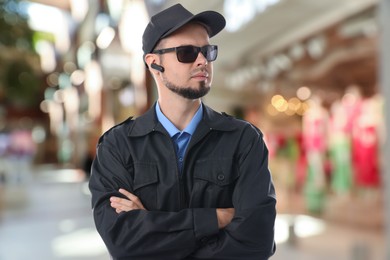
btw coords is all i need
(128, 229)
(224, 215)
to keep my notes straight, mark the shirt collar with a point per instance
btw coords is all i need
(148, 122)
(172, 129)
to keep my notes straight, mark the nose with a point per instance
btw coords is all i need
(201, 59)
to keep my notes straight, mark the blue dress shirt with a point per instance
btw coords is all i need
(181, 139)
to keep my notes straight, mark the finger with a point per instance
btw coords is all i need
(123, 204)
(129, 195)
(116, 202)
(132, 197)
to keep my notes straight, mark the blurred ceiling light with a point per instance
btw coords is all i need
(93, 86)
(294, 104)
(40, 14)
(79, 9)
(71, 100)
(69, 67)
(64, 81)
(366, 26)
(241, 12)
(316, 47)
(289, 111)
(59, 96)
(47, 55)
(283, 61)
(52, 20)
(93, 78)
(44, 106)
(52, 79)
(303, 93)
(102, 21)
(277, 100)
(72, 105)
(77, 77)
(282, 106)
(115, 8)
(84, 53)
(38, 134)
(132, 25)
(56, 116)
(296, 52)
(271, 110)
(303, 108)
(49, 93)
(291, 107)
(105, 38)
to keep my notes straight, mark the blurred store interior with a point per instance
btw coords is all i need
(310, 74)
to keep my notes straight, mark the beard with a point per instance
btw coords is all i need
(188, 92)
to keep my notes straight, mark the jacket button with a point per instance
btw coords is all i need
(221, 177)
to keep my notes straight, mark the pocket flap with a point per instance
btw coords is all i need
(218, 171)
(146, 174)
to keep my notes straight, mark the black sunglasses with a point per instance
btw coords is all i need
(189, 53)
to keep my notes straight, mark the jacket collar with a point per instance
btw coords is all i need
(148, 122)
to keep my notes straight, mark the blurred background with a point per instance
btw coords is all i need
(310, 74)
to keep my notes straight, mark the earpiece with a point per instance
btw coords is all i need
(157, 67)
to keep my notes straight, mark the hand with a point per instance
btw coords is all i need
(224, 217)
(125, 205)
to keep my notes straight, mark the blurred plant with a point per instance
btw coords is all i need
(19, 79)
(14, 28)
(21, 84)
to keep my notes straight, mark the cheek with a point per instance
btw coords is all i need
(177, 74)
(177, 77)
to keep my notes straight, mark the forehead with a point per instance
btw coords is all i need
(192, 33)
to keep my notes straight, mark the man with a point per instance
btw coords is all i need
(183, 181)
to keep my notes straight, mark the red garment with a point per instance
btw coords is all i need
(365, 156)
(315, 135)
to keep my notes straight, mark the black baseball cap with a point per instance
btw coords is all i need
(171, 19)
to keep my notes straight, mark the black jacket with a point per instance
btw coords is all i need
(226, 165)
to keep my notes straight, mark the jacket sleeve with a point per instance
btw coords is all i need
(250, 235)
(141, 234)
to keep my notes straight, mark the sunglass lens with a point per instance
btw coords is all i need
(211, 52)
(187, 54)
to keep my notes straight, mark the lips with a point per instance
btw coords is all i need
(203, 75)
(200, 75)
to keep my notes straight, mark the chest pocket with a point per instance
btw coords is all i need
(145, 183)
(214, 182)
